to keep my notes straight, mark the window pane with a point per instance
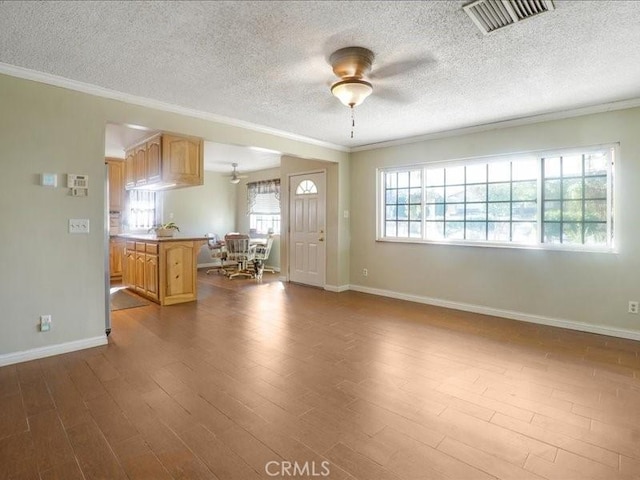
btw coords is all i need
(552, 167)
(403, 212)
(403, 179)
(572, 210)
(435, 212)
(455, 211)
(415, 195)
(391, 196)
(435, 176)
(551, 232)
(499, 191)
(415, 179)
(572, 232)
(415, 229)
(499, 211)
(525, 232)
(477, 173)
(390, 229)
(392, 179)
(595, 187)
(524, 210)
(552, 212)
(455, 175)
(572, 166)
(499, 231)
(525, 170)
(476, 211)
(525, 190)
(415, 212)
(499, 172)
(435, 230)
(392, 212)
(455, 194)
(476, 231)
(595, 164)
(403, 195)
(477, 193)
(595, 233)
(572, 188)
(454, 230)
(595, 210)
(435, 194)
(403, 229)
(552, 189)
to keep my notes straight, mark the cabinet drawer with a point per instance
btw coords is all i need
(131, 246)
(152, 248)
(140, 246)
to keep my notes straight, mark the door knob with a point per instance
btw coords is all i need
(321, 239)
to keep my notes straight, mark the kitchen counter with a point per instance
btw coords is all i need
(152, 237)
(162, 269)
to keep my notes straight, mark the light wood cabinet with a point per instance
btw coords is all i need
(162, 271)
(116, 258)
(165, 160)
(116, 184)
(130, 170)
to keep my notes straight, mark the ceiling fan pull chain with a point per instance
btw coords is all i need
(353, 121)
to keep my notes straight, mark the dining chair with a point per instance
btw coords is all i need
(240, 250)
(218, 253)
(262, 255)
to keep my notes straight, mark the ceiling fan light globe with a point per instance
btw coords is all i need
(235, 180)
(351, 92)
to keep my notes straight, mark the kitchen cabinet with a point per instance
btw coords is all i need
(162, 270)
(165, 161)
(116, 258)
(116, 184)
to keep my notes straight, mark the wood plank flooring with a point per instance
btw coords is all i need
(266, 380)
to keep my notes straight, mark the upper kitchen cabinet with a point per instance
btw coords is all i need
(116, 184)
(165, 161)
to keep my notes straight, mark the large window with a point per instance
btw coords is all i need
(560, 199)
(263, 199)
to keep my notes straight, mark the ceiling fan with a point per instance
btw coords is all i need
(235, 176)
(352, 65)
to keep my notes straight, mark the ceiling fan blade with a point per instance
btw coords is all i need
(393, 95)
(401, 67)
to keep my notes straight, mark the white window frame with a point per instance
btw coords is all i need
(612, 203)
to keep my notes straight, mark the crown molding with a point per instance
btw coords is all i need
(57, 81)
(514, 122)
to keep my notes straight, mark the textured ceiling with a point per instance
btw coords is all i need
(266, 62)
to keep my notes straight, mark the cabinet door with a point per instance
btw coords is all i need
(140, 267)
(179, 277)
(130, 170)
(154, 165)
(129, 270)
(182, 160)
(141, 165)
(151, 283)
(116, 258)
(116, 185)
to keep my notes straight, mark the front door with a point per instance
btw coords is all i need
(307, 238)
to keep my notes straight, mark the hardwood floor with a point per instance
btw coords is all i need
(255, 375)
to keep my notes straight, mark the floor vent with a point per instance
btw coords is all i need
(491, 15)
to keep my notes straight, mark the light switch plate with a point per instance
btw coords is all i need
(78, 225)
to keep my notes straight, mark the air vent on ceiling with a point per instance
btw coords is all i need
(490, 15)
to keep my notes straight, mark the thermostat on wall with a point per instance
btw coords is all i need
(48, 179)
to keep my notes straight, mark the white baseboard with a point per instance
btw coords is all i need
(50, 350)
(336, 288)
(497, 312)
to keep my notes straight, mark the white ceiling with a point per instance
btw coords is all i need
(266, 62)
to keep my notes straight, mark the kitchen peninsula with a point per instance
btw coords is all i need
(162, 269)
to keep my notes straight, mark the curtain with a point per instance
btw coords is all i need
(263, 189)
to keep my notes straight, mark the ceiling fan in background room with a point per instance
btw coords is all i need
(235, 176)
(352, 65)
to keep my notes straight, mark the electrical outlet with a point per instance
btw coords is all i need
(45, 323)
(633, 307)
(365, 272)
(78, 225)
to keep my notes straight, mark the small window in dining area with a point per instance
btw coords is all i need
(263, 206)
